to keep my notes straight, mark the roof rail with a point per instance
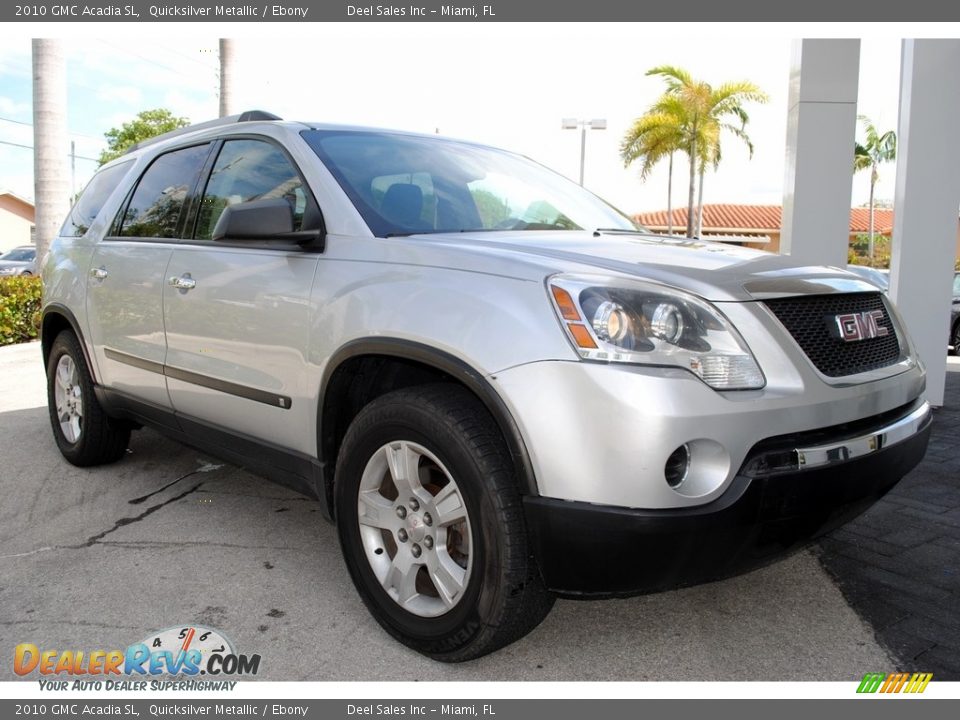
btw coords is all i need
(248, 116)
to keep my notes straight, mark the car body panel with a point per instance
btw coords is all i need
(639, 416)
(247, 323)
(125, 316)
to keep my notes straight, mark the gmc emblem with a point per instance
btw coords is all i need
(853, 327)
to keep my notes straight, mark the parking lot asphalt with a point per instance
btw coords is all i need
(100, 558)
(898, 564)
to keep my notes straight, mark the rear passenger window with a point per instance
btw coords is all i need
(249, 170)
(91, 201)
(157, 203)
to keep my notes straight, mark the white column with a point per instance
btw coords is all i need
(926, 200)
(821, 128)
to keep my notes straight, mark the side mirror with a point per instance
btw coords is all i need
(255, 220)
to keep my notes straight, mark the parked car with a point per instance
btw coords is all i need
(955, 316)
(19, 261)
(499, 388)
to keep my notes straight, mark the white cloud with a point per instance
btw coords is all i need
(13, 109)
(17, 175)
(120, 94)
(189, 107)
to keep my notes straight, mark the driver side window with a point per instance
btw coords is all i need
(249, 170)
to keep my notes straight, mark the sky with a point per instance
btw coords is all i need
(507, 85)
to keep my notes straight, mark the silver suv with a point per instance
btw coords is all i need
(499, 388)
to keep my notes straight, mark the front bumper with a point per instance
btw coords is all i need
(769, 509)
(603, 433)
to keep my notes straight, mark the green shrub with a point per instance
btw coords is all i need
(19, 309)
(859, 251)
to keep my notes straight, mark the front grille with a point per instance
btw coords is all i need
(809, 320)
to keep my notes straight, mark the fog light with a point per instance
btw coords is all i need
(675, 470)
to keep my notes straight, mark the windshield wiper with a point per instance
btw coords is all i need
(451, 231)
(618, 231)
(443, 231)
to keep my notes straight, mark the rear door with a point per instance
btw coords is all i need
(127, 277)
(237, 315)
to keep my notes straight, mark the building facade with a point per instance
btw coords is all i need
(16, 221)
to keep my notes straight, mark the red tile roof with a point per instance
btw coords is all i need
(757, 219)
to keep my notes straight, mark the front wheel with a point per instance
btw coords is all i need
(83, 431)
(431, 525)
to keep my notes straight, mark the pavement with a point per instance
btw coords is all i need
(101, 558)
(898, 564)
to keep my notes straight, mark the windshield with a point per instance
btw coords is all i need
(404, 185)
(20, 255)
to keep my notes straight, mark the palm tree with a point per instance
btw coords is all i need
(700, 114)
(655, 135)
(876, 150)
(227, 75)
(50, 174)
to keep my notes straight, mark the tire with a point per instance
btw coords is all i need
(455, 584)
(83, 431)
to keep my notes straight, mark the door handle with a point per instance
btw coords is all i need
(99, 273)
(183, 283)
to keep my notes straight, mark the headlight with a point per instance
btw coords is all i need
(628, 321)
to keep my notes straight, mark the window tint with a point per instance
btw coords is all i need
(249, 170)
(157, 203)
(91, 200)
(407, 199)
(406, 184)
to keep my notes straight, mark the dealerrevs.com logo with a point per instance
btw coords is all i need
(181, 653)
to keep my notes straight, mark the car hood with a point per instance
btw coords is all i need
(715, 271)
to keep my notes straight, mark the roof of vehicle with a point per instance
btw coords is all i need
(247, 116)
(251, 116)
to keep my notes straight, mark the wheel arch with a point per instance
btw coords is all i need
(57, 318)
(367, 368)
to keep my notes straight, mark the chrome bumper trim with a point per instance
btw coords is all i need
(902, 429)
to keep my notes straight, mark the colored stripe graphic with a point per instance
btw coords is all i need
(894, 683)
(871, 682)
(919, 682)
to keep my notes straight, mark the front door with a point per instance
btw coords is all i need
(238, 315)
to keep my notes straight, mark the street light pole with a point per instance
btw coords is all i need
(583, 151)
(573, 124)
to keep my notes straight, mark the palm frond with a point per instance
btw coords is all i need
(691, 116)
(861, 158)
